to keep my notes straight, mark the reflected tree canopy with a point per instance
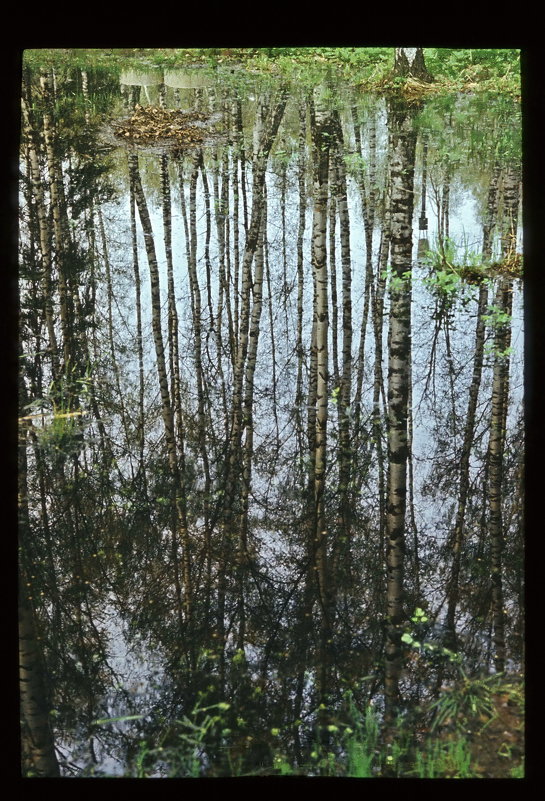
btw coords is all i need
(270, 434)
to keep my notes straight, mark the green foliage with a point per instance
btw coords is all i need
(394, 281)
(419, 616)
(498, 320)
(281, 765)
(442, 255)
(496, 317)
(467, 702)
(181, 748)
(58, 432)
(444, 282)
(518, 771)
(430, 649)
(355, 163)
(444, 760)
(485, 61)
(58, 426)
(452, 268)
(501, 353)
(354, 745)
(495, 68)
(362, 738)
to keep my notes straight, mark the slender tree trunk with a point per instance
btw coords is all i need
(402, 159)
(244, 555)
(321, 145)
(368, 202)
(500, 398)
(469, 427)
(207, 261)
(345, 393)
(111, 328)
(332, 255)
(274, 388)
(196, 306)
(238, 154)
(246, 345)
(196, 311)
(379, 421)
(39, 758)
(45, 235)
(139, 342)
(181, 534)
(300, 274)
(224, 296)
(60, 228)
(38, 745)
(495, 474)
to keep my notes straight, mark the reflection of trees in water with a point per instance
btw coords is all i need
(232, 480)
(402, 160)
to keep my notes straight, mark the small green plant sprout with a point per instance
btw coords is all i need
(496, 317)
(442, 255)
(395, 281)
(335, 395)
(408, 638)
(447, 258)
(239, 657)
(444, 282)
(419, 616)
(497, 320)
(430, 648)
(355, 163)
(491, 349)
(325, 762)
(417, 642)
(281, 764)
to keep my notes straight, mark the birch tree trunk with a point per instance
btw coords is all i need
(321, 135)
(368, 202)
(39, 758)
(345, 393)
(38, 745)
(45, 235)
(246, 346)
(244, 555)
(180, 532)
(60, 226)
(203, 426)
(300, 274)
(139, 340)
(500, 398)
(402, 159)
(409, 62)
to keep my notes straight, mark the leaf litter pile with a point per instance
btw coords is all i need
(152, 124)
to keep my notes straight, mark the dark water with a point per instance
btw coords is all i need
(168, 514)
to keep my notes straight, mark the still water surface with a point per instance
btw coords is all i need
(122, 641)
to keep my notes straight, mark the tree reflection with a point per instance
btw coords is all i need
(233, 484)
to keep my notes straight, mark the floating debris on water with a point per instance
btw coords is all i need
(153, 124)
